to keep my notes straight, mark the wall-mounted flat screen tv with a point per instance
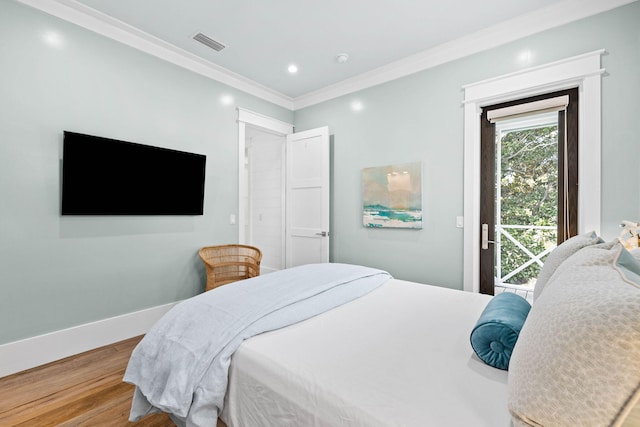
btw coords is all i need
(102, 176)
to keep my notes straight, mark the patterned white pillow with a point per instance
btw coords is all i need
(560, 254)
(577, 359)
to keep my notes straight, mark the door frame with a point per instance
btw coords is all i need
(582, 71)
(260, 121)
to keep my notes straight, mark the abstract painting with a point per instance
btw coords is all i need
(392, 196)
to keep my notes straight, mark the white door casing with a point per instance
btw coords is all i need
(582, 71)
(307, 197)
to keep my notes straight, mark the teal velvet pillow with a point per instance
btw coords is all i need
(497, 330)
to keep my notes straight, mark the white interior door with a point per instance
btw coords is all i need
(307, 197)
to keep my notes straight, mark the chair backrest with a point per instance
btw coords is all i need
(229, 263)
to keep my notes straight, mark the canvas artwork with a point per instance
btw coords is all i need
(392, 196)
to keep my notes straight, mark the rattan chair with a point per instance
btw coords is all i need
(229, 263)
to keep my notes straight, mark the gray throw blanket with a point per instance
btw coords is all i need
(181, 365)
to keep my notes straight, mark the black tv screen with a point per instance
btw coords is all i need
(102, 176)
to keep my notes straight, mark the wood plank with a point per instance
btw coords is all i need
(41, 382)
(43, 405)
(118, 410)
(77, 407)
(82, 390)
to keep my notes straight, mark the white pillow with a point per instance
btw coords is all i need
(560, 254)
(577, 358)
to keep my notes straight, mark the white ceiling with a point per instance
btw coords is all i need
(263, 38)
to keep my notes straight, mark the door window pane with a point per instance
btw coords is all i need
(526, 197)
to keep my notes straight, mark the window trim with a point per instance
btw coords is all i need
(583, 71)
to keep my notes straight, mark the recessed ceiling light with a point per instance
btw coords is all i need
(357, 106)
(293, 68)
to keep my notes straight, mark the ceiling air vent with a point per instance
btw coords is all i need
(209, 42)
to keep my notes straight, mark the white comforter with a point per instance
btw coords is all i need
(181, 365)
(398, 356)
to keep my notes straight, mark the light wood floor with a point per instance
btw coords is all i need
(83, 390)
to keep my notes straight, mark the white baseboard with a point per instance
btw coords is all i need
(31, 352)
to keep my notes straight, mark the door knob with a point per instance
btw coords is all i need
(322, 233)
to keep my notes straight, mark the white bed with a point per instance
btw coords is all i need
(345, 345)
(399, 355)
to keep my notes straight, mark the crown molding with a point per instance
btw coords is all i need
(497, 35)
(535, 22)
(98, 22)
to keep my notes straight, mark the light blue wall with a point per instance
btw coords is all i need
(57, 272)
(420, 118)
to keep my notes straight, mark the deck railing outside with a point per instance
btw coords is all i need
(502, 282)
